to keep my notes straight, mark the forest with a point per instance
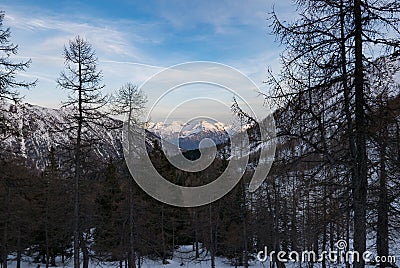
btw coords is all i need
(335, 175)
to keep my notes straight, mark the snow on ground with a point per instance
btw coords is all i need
(183, 257)
(176, 262)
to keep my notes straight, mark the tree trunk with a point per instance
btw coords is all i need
(197, 246)
(212, 248)
(5, 231)
(139, 265)
(85, 254)
(348, 221)
(78, 169)
(47, 235)
(244, 221)
(360, 180)
(323, 264)
(382, 238)
(164, 253)
(19, 249)
(131, 253)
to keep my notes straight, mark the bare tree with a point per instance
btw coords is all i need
(9, 69)
(130, 101)
(329, 48)
(82, 79)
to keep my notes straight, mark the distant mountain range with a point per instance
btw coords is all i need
(188, 136)
(37, 129)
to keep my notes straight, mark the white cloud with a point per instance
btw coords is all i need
(222, 15)
(107, 40)
(42, 38)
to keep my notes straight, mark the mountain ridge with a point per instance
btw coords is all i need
(188, 135)
(37, 129)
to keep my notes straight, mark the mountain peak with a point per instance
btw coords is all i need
(202, 126)
(188, 135)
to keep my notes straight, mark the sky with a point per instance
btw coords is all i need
(134, 39)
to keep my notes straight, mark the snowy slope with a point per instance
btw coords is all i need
(37, 129)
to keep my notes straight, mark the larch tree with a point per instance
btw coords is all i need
(84, 83)
(130, 102)
(9, 81)
(329, 48)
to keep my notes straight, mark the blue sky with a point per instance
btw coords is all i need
(136, 39)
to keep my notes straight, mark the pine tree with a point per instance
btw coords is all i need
(110, 228)
(54, 211)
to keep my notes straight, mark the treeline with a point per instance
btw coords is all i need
(37, 215)
(83, 207)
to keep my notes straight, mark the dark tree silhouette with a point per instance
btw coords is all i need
(329, 48)
(9, 82)
(82, 79)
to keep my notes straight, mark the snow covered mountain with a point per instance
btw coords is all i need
(36, 129)
(188, 136)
